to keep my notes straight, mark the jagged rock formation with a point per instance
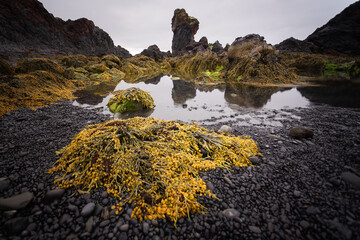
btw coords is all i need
(26, 26)
(154, 52)
(217, 47)
(340, 35)
(184, 28)
(295, 45)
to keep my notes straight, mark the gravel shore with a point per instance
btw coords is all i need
(299, 189)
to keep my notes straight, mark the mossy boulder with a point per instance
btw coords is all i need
(111, 61)
(97, 68)
(5, 68)
(130, 100)
(74, 60)
(29, 65)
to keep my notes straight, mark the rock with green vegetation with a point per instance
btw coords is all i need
(33, 64)
(5, 68)
(130, 100)
(345, 70)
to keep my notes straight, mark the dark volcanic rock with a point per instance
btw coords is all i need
(184, 28)
(217, 47)
(300, 133)
(153, 51)
(26, 26)
(295, 45)
(340, 34)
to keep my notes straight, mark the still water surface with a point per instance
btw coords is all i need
(182, 100)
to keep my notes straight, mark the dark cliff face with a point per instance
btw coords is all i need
(184, 28)
(341, 34)
(27, 25)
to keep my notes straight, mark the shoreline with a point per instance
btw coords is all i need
(296, 191)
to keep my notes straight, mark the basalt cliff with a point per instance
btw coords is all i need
(27, 27)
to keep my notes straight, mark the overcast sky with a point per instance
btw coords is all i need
(135, 25)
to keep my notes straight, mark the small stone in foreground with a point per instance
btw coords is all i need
(53, 195)
(231, 213)
(16, 202)
(255, 229)
(88, 209)
(351, 178)
(16, 225)
(225, 129)
(300, 133)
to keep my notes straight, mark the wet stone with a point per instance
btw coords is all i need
(16, 225)
(88, 209)
(231, 213)
(255, 229)
(53, 195)
(16, 202)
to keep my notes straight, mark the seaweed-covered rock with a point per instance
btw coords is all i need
(184, 28)
(33, 64)
(152, 163)
(245, 46)
(97, 68)
(111, 61)
(5, 68)
(130, 100)
(74, 60)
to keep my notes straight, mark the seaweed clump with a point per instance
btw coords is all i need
(129, 100)
(150, 163)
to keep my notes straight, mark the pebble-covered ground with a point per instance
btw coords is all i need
(299, 189)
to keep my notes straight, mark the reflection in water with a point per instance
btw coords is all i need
(343, 94)
(182, 91)
(143, 113)
(154, 80)
(249, 96)
(87, 97)
(182, 100)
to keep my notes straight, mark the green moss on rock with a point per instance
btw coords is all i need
(129, 100)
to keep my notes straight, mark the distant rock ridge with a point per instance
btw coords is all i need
(27, 26)
(340, 35)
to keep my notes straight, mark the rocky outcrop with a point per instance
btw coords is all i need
(250, 57)
(295, 45)
(217, 47)
(26, 26)
(253, 46)
(154, 52)
(184, 28)
(340, 34)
